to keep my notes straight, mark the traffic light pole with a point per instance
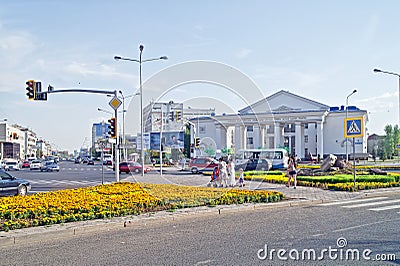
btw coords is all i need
(116, 166)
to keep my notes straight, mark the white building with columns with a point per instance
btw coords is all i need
(285, 119)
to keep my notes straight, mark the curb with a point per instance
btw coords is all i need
(44, 233)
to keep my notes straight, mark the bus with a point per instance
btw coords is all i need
(278, 157)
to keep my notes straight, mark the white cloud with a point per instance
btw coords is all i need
(244, 52)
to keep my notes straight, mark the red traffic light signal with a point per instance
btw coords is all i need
(112, 127)
(31, 89)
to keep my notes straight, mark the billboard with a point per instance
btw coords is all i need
(172, 140)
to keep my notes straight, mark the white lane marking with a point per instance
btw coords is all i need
(391, 207)
(372, 203)
(351, 201)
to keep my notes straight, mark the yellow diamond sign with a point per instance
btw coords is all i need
(115, 103)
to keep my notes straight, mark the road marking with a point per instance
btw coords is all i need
(351, 201)
(372, 203)
(363, 225)
(386, 208)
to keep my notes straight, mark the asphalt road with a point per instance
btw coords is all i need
(336, 232)
(81, 175)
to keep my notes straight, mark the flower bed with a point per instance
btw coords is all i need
(117, 199)
(337, 182)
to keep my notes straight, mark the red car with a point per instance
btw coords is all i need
(132, 167)
(204, 164)
(26, 164)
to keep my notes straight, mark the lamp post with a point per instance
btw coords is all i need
(347, 104)
(140, 61)
(394, 74)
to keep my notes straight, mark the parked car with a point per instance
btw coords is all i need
(90, 162)
(11, 165)
(203, 164)
(26, 164)
(49, 166)
(77, 160)
(10, 185)
(255, 164)
(132, 167)
(35, 165)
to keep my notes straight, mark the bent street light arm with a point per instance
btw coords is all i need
(386, 72)
(138, 61)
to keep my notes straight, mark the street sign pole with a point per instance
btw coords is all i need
(354, 128)
(115, 103)
(354, 162)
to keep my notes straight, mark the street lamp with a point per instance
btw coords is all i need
(104, 111)
(394, 74)
(140, 61)
(123, 119)
(347, 104)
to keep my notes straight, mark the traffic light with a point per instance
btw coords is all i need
(31, 89)
(171, 116)
(197, 142)
(112, 127)
(178, 115)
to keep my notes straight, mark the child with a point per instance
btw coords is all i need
(214, 178)
(241, 178)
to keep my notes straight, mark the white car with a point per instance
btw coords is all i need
(11, 165)
(35, 165)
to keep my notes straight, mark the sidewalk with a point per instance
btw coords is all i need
(301, 193)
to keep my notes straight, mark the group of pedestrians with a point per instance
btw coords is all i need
(224, 175)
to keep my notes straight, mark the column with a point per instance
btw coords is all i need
(299, 140)
(320, 139)
(218, 141)
(238, 137)
(278, 134)
(262, 136)
(256, 136)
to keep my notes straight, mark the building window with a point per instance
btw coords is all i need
(270, 129)
(306, 125)
(202, 130)
(306, 139)
(315, 125)
(250, 140)
(249, 128)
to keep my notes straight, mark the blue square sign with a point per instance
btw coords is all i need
(354, 127)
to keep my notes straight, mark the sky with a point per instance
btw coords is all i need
(321, 50)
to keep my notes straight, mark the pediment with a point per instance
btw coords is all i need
(284, 101)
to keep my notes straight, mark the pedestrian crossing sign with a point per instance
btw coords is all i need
(354, 127)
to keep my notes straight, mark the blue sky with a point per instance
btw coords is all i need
(321, 50)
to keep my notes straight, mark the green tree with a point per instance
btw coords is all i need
(396, 135)
(389, 144)
(381, 150)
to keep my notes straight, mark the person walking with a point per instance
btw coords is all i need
(223, 173)
(183, 163)
(232, 177)
(292, 172)
(241, 178)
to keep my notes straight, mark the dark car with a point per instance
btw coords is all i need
(132, 167)
(204, 164)
(90, 162)
(255, 164)
(50, 167)
(10, 185)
